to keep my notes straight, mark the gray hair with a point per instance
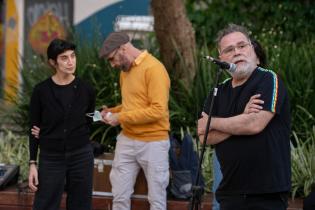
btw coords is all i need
(231, 28)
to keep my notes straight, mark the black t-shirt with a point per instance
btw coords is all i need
(65, 94)
(259, 163)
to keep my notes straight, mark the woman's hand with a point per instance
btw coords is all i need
(33, 178)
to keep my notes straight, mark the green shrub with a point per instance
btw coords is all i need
(278, 21)
(14, 150)
(303, 164)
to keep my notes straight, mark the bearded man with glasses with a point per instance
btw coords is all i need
(250, 129)
(144, 118)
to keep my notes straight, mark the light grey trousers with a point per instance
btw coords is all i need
(152, 157)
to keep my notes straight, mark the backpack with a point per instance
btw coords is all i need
(184, 162)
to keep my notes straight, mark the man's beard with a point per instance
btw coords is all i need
(125, 65)
(244, 70)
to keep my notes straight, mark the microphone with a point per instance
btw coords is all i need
(230, 67)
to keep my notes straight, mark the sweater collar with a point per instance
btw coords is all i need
(140, 58)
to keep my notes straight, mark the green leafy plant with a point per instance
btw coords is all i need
(274, 20)
(303, 164)
(14, 150)
(207, 166)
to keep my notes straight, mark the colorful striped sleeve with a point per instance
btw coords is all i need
(270, 91)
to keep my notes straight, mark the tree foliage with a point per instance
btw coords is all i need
(279, 21)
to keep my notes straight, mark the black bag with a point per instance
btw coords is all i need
(184, 165)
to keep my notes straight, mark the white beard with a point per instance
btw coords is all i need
(244, 70)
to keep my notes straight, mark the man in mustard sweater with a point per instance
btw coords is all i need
(144, 118)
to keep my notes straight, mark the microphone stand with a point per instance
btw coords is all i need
(197, 191)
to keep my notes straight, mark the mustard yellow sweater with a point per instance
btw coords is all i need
(143, 113)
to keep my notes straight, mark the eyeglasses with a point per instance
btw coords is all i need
(231, 49)
(111, 58)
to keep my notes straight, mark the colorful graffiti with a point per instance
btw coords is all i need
(46, 28)
(44, 21)
(1, 41)
(11, 59)
(1, 31)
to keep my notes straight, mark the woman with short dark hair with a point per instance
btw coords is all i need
(60, 129)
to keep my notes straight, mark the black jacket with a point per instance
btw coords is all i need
(61, 128)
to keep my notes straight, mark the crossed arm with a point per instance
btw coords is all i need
(252, 121)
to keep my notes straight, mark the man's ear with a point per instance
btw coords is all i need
(124, 46)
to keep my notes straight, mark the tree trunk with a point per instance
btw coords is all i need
(176, 37)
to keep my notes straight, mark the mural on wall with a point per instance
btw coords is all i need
(1, 44)
(1, 40)
(1, 31)
(10, 73)
(44, 21)
(46, 28)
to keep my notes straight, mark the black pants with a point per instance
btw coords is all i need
(71, 171)
(309, 201)
(274, 201)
